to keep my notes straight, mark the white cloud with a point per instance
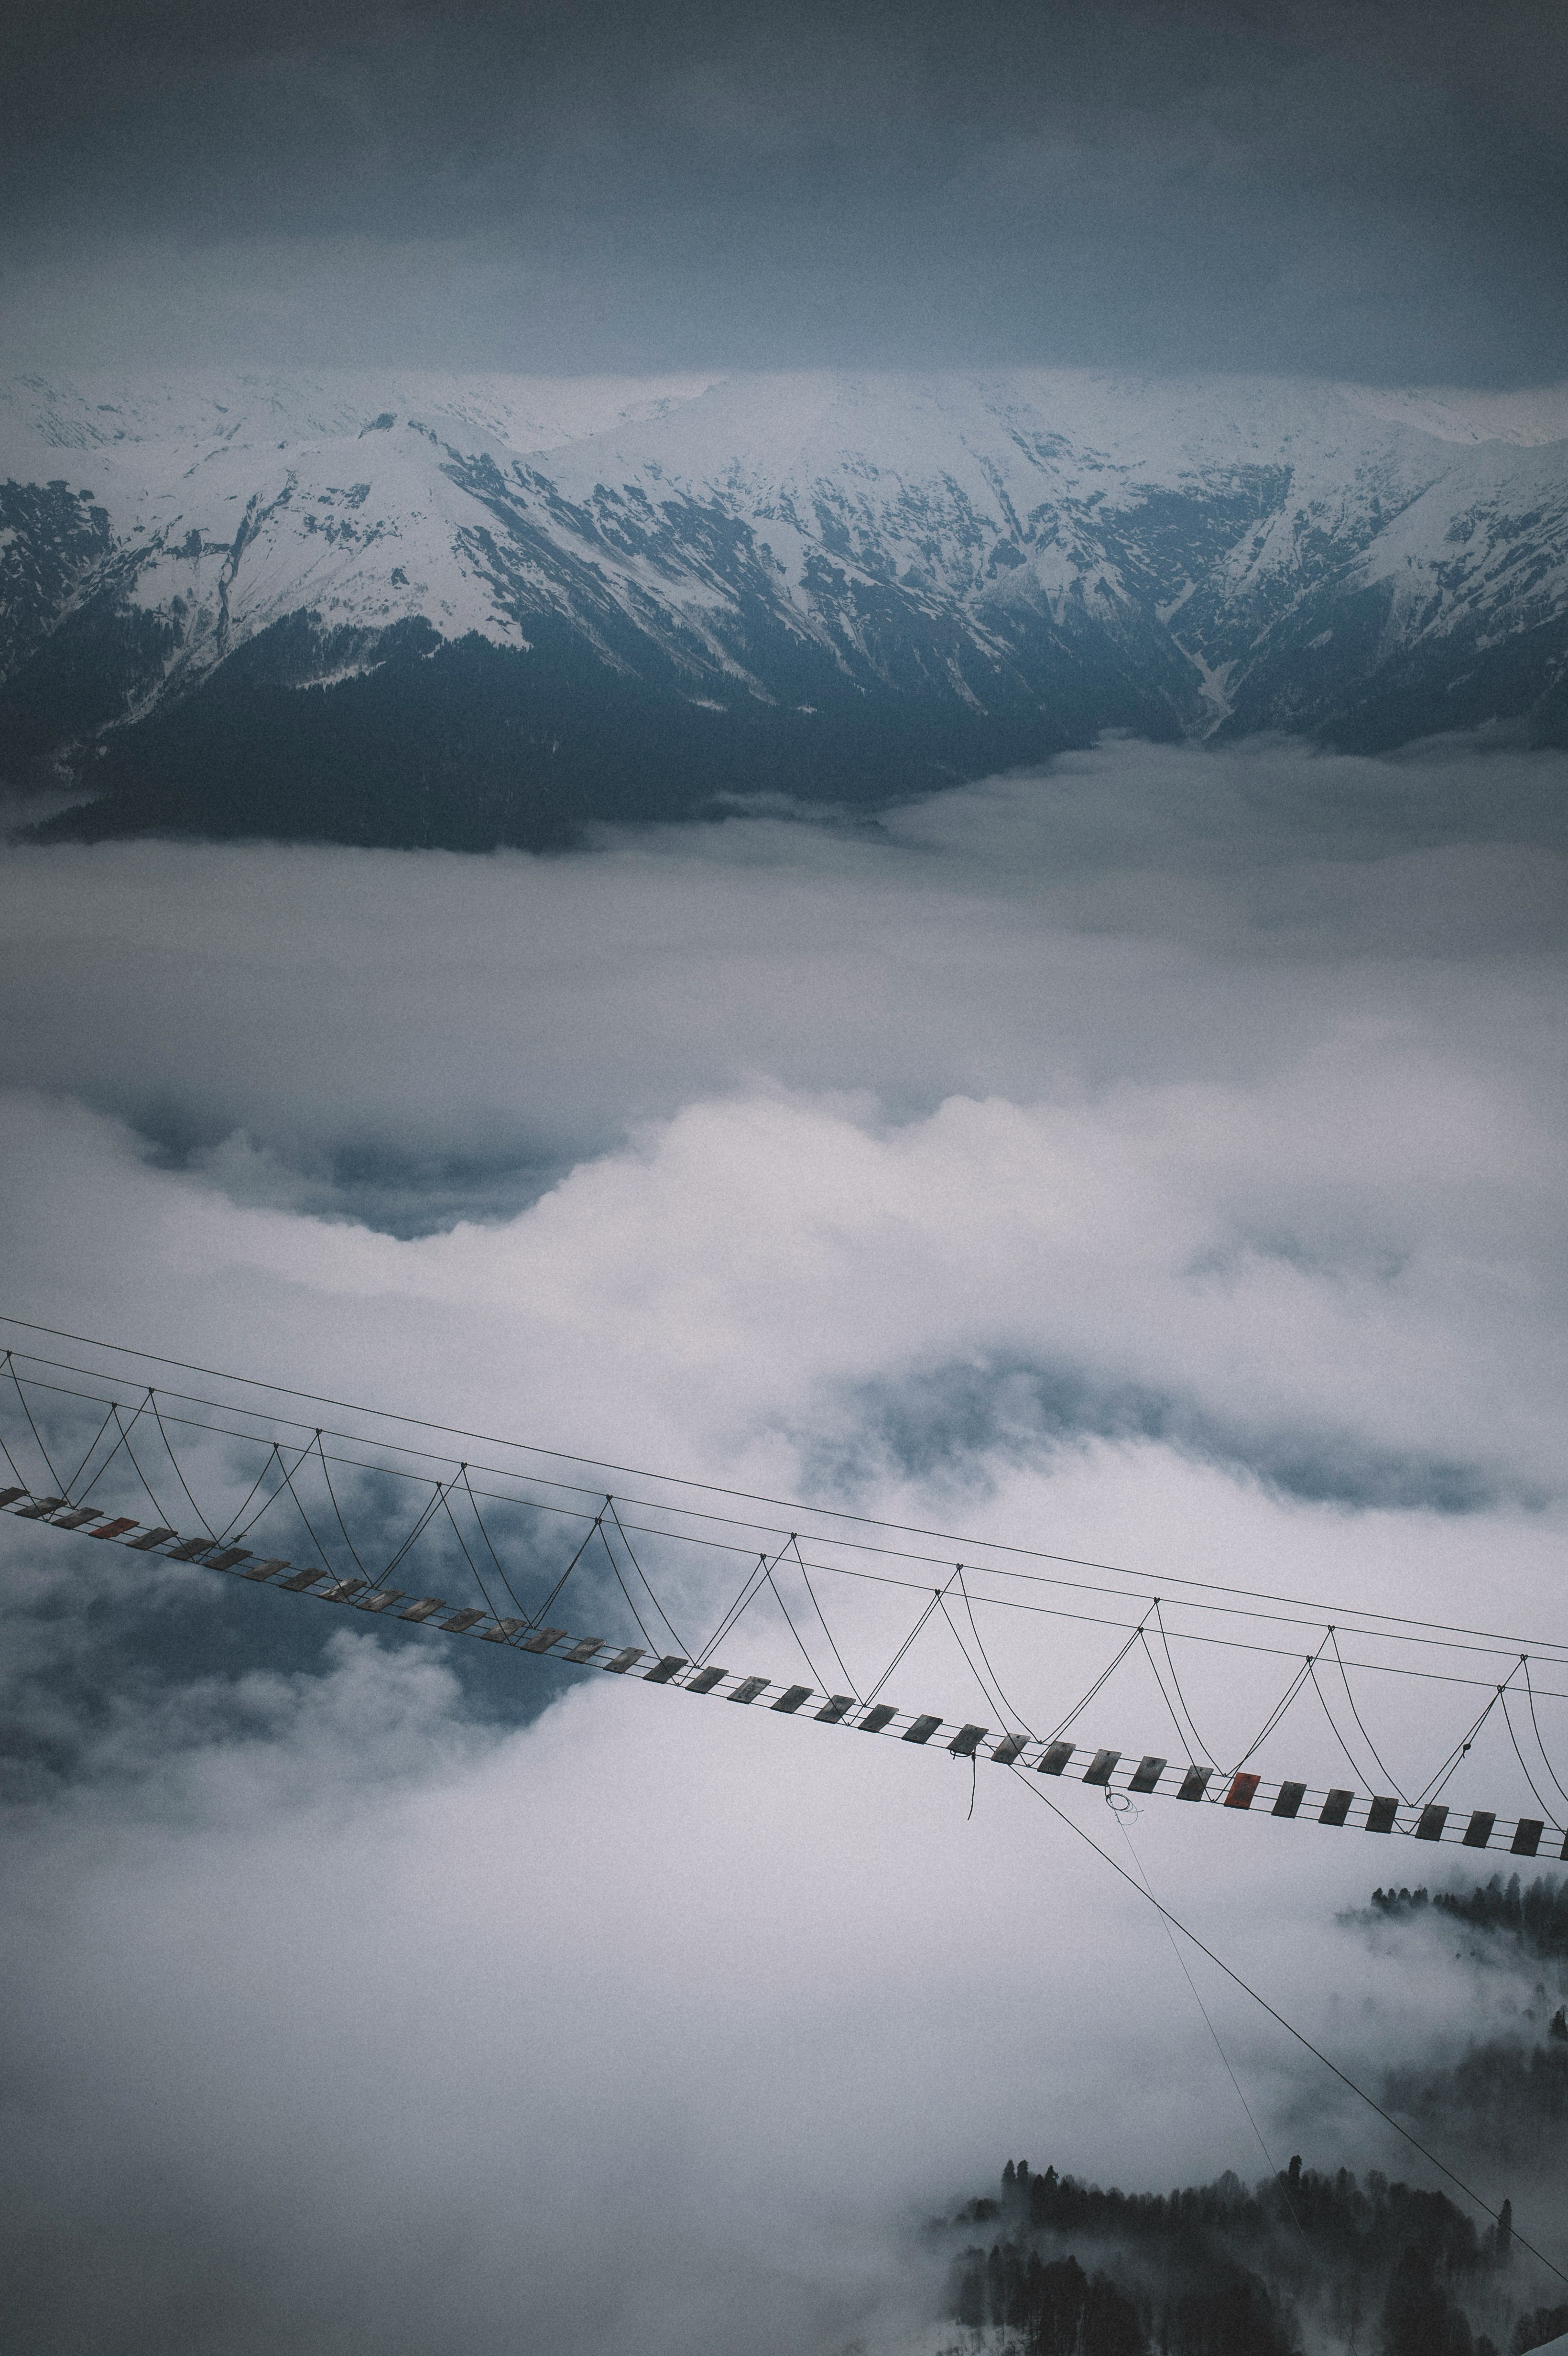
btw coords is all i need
(1105, 1161)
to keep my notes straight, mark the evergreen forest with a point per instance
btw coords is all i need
(1312, 2259)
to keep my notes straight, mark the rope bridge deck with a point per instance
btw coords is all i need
(1115, 1773)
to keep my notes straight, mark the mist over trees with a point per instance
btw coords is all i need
(1220, 2270)
(1534, 1919)
(1310, 2259)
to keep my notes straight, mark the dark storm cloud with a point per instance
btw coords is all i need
(1369, 192)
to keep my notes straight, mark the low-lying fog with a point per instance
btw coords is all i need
(1158, 1160)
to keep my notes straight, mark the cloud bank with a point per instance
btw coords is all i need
(1155, 1160)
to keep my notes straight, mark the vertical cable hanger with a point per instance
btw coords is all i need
(747, 1593)
(174, 1460)
(338, 1510)
(123, 1431)
(288, 1472)
(1529, 1691)
(1200, 1749)
(969, 1613)
(1354, 1764)
(1183, 1739)
(426, 1513)
(236, 1526)
(642, 1574)
(1104, 1679)
(129, 1446)
(1355, 1714)
(936, 1596)
(800, 1640)
(500, 1566)
(832, 1645)
(110, 1417)
(27, 1411)
(604, 1535)
(1277, 1714)
(1544, 1805)
(538, 1619)
(1460, 1752)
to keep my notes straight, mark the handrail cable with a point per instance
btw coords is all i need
(995, 1602)
(711, 1488)
(1490, 1640)
(764, 1573)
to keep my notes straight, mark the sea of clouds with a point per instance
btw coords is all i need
(1157, 1160)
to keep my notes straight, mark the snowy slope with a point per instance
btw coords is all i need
(1043, 550)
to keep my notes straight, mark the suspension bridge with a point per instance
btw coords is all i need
(528, 1521)
(525, 1536)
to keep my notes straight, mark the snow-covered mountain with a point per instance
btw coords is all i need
(465, 610)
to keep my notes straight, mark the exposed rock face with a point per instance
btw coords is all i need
(460, 611)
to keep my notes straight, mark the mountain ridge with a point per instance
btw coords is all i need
(623, 598)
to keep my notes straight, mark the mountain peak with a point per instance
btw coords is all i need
(953, 573)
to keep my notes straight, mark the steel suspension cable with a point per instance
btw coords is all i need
(1201, 1749)
(1104, 1679)
(768, 1576)
(1460, 1750)
(87, 1459)
(1542, 1805)
(1122, 1815)
(174, 1460)
(908, 1641)
(500, 1566)
(1007, 1706)
(1530, 1690)
(1355, 1714)
(832, 1643)
(337, 1508)
(27, 1411)
(1484, 1638)
(642, 1574)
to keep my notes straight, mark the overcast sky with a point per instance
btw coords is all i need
(1374, 190)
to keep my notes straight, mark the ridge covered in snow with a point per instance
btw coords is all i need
(938, 575)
